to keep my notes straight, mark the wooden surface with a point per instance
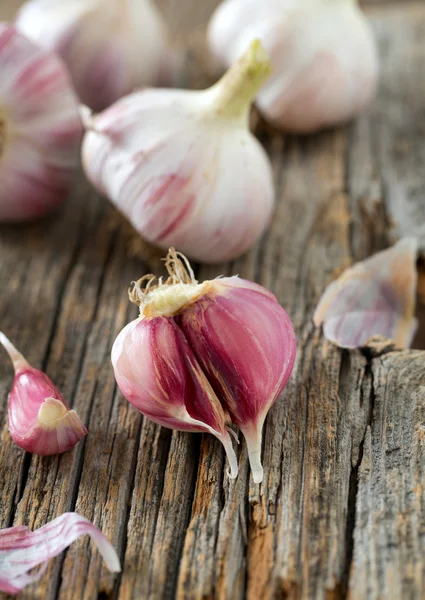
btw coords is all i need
(341, 512)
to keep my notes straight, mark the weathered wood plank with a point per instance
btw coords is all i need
(331, 442)
(390, 515)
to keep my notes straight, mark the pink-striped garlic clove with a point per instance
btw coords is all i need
(246, 346)
(40, 128)
(182, 165)
(40, 421)
(158, 374)
(110, 47)
(198, 350)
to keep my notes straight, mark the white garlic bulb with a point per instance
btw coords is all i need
(109, 46)
(325, 65)
(40, 129)
(182, 165)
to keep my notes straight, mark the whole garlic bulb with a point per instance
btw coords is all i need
(40, 128)
(325, 65)
(183, 167)
(109, 46)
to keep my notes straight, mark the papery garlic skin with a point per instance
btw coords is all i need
(109, 46)
(40, 129)
(21, 550)
(157, 372)
(376, 296)
(246, 346)
(323, 53)
(199, 348)
(183, 167)
(40, 421)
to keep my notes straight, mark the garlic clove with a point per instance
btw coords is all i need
(325, 64)
(22, 550)
(40, 421)
(110, 48)
(157, 372)
(245, 344)
(40, 129)
(183, 167)
(374, 297)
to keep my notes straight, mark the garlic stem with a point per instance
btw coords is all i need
(19, 362)
(238, 87)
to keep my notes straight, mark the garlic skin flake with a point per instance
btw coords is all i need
(40, 129)
(40, 421)
(109, 46)
(222, 344)
(325, 64)
(22, 550)
(183, 167)
(374, 297)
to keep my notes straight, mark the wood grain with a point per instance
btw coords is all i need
(341, 511)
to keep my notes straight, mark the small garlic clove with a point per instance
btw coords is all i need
(182, 165)
(245, 344)
(374, 297)
(40, 421)
(110, 47)
(40, 129)
(325, 64)
(157, 372)
(22, 550)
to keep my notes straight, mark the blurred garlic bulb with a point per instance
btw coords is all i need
(182, 165)
(109, 46)
(40, 128)
(325, 65)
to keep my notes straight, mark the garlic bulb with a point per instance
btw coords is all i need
(40, 128)
(325, 64)
(183, 167)
(40, 421)
(199, 348)
(109, 46)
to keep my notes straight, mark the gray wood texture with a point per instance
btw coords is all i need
(341, 511)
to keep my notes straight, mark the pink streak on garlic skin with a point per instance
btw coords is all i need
(42, 129)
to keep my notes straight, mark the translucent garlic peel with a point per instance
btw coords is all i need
(374, 297)
(228, 344)
(325, 65)
(184, 168)
(40, 128)
(110, 47)
(40, 421)
(22, 550)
